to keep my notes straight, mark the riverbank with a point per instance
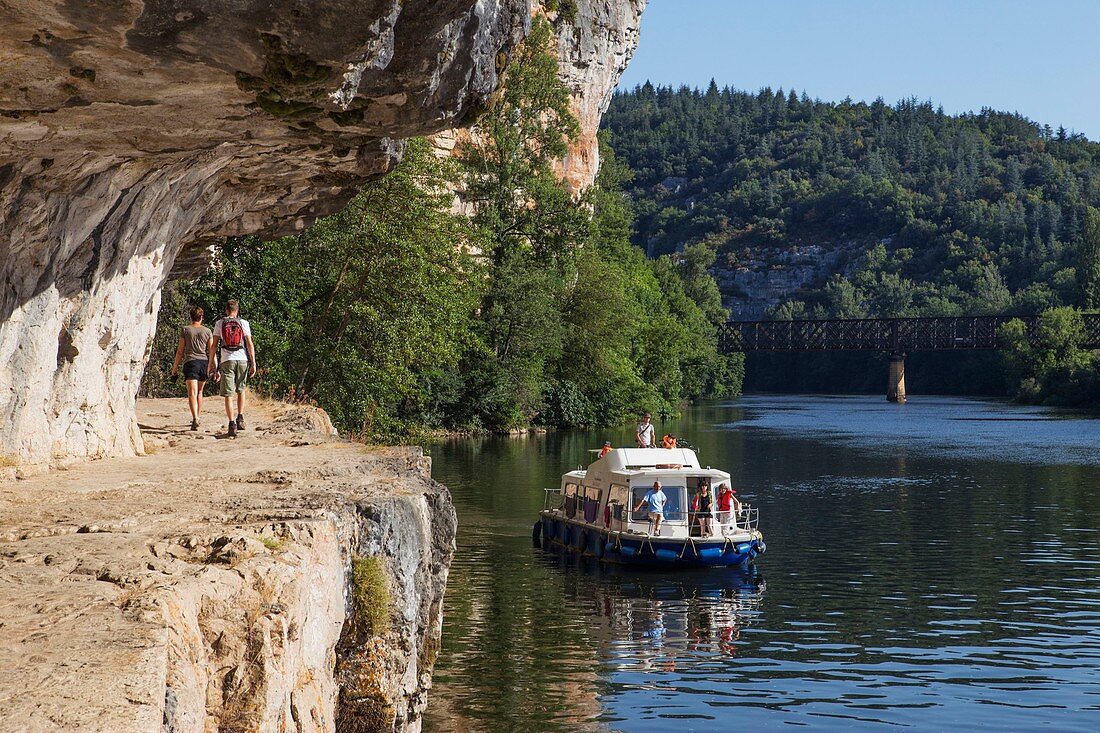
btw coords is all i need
(287, 579)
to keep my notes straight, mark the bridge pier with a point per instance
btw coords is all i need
(895, 385)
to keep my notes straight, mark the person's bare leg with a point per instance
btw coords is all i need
(192, 398)
(229, 408)
(240, 402)
(199, 387)
(657, 525)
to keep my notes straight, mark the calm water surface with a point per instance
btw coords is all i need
(932, 566)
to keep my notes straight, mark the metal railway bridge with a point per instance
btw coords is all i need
(899, 336)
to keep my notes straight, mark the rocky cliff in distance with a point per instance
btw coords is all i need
(135, 133)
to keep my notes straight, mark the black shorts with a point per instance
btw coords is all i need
(195, 369)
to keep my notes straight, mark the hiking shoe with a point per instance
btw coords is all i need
(194, 424)
(232, 429)
(240, 422)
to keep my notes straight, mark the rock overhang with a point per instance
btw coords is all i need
(135, 134)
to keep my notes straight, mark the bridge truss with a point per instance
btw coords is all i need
(898, 335)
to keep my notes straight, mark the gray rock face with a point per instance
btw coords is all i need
(594, 47)
(133, 134)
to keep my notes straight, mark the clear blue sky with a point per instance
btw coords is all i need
(1041, 59)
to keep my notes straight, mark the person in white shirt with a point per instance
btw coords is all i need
(645, 435)
(654, 501)
(233, 356)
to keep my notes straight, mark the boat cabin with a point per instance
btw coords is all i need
(606, 493)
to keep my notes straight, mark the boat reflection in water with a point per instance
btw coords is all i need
(651, 622)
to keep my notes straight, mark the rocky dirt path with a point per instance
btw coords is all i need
(174, 590)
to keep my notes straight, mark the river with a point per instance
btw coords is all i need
(934, 565)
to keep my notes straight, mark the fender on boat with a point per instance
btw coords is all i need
(666, 555)
(710, 553)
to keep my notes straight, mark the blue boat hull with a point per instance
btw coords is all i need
(623, 549)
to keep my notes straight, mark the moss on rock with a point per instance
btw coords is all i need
(370, 589)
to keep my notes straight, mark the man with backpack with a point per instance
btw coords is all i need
(232, 352)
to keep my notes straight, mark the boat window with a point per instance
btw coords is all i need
(616, 502)
(591, 503)
(674, 503)
(571, 500)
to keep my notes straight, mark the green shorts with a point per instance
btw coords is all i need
(234, 376)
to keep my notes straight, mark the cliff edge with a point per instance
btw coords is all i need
(285, 580)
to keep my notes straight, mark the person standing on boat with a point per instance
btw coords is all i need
(726, 504)
(645, 435)
(654, 500)
(704, 507)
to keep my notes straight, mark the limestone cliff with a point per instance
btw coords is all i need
(219, 585)
(135, 132)
(596, 39)
(595, 42)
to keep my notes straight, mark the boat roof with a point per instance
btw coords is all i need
(651, 463)
(663, 474)
(644, 465)
(622, 460)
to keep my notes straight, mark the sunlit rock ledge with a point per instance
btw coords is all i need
(285, 580)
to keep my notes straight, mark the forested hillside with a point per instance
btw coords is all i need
(915, 212)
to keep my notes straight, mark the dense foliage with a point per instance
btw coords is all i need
(398, 314)
(932, 214)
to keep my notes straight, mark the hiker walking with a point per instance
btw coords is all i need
(232, 352)
(193, 350)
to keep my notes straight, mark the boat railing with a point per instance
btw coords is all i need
(748, 517)
(551, 499)
(670, 515)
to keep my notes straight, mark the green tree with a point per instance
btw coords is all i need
(529, 226)
(1054, 369)
(363, 307)
(519, 202)
(695, 262)
(1088, 259)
